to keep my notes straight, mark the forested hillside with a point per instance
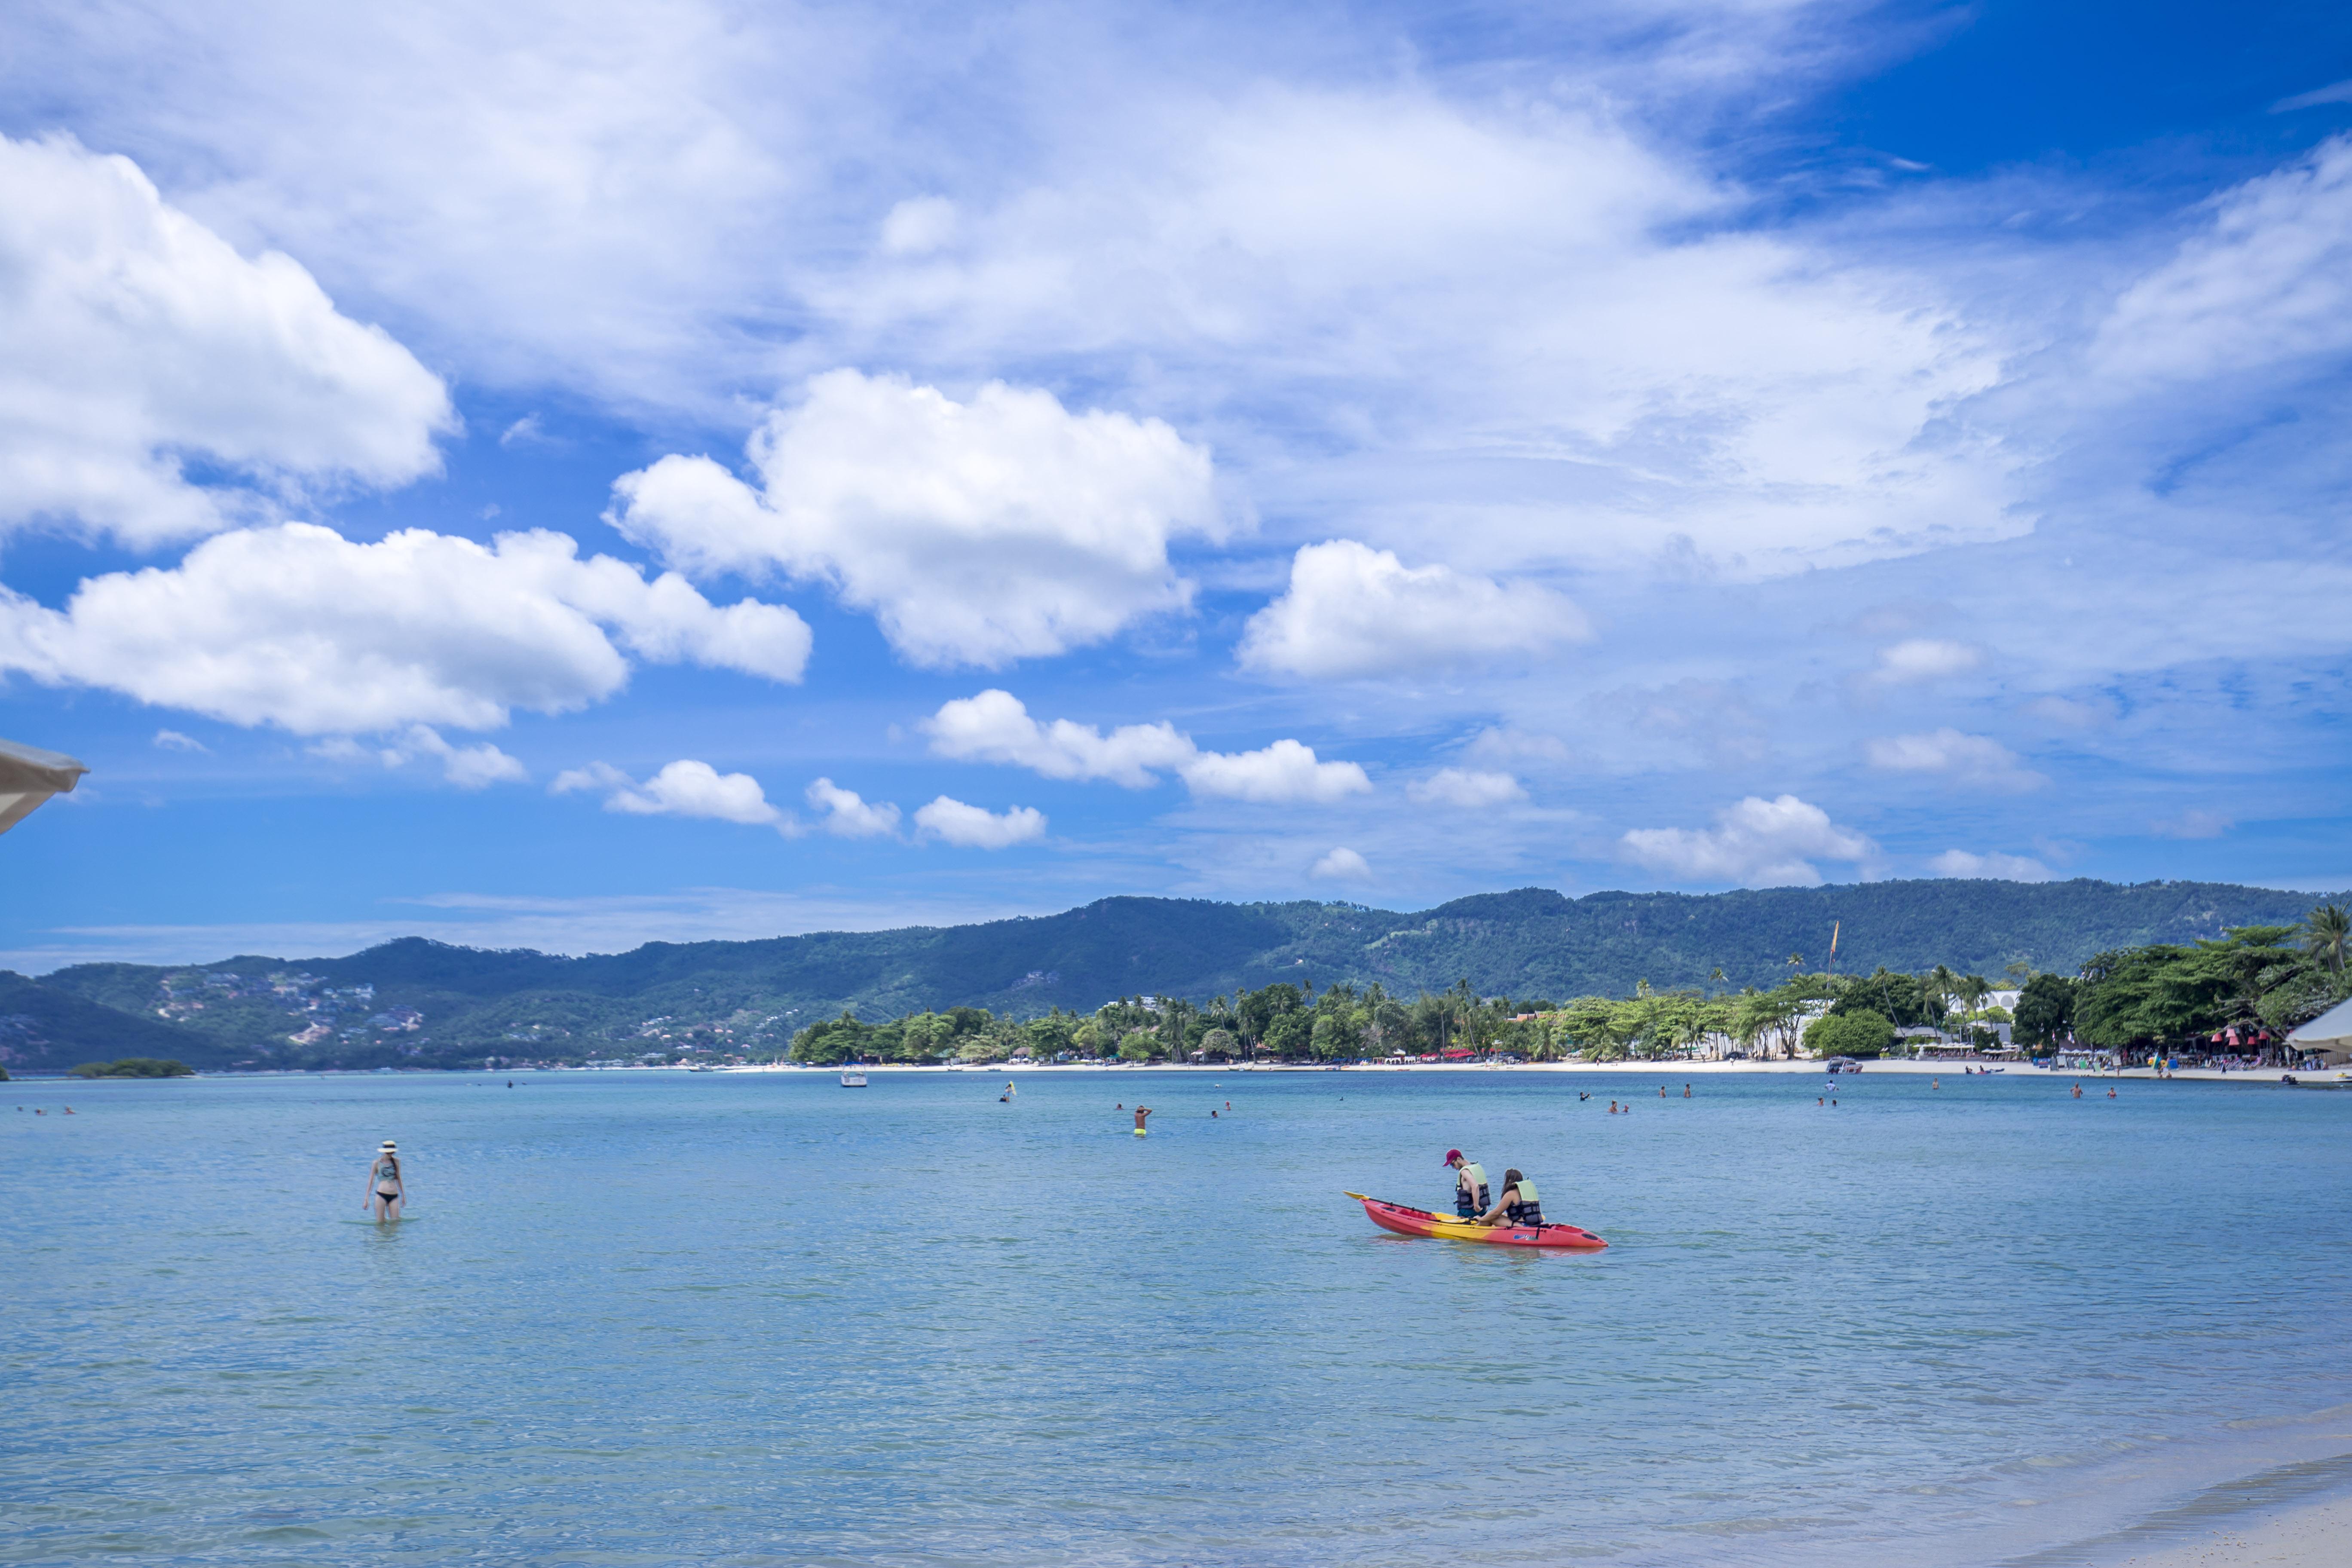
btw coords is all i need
(419, 1003)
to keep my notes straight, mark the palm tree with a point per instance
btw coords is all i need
(2326, 933)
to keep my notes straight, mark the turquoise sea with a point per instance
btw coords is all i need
(656, 1319)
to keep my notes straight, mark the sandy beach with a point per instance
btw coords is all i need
(2302, 1535)
(1666, 1071)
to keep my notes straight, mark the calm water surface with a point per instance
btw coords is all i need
(652, 1318)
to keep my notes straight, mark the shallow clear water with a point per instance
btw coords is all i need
(745, 1319)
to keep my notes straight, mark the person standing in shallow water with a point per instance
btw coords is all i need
(386, 1192)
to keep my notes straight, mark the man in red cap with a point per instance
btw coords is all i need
(1469, 1184)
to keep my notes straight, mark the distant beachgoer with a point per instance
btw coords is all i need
(1832, 1105)
(1662, 1092)
(386, 1190)
(1517, 1205)
(1687, 1094)
(1212, 1116)
(1821, 1099)
(1581, 1096)
(68, 1111)
(2111, 1094)
(1935, 1083)
(1469, 1184)
(1140, 1112)
(1009, 1092)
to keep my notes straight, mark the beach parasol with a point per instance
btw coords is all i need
(29, 775)
(2331, 1031)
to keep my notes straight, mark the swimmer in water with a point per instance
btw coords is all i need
(386, 1192)
(1686, 1091)
(2111, 1094)
(1009, 1092)
(1140, 1112)
(2078, 1092)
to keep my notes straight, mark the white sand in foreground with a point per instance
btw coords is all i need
(2309, 1535)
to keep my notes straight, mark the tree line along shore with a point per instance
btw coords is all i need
(1608, 974)
(2256, 981)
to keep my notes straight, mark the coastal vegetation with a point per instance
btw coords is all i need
(1633, 973)
(2255, 977)
(135, 1066)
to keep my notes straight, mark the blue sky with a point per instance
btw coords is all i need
(590, 475)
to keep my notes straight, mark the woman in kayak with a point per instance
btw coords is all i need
(1518, 1206)
(385, 1191)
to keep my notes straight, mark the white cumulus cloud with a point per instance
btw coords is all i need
(1995, 868)
(683, 788)
(294, 625)
(1341, 865)
(976, 828)
(996, 727)
(848, 814)
(1756, 843)
(1353, 611)
(1977, 761)
(977, 533)
(468, 767)
(1286, 771)
(1918, 660)
(1466, 789)
(138, 340)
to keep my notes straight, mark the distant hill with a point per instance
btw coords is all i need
(414, 1002)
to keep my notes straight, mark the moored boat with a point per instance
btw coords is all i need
(852, 1078)
(1421, 1222)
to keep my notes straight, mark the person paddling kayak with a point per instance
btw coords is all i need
(1469, 1184)
(1519, 1205)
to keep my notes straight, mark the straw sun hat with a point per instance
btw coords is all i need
(390, 1147)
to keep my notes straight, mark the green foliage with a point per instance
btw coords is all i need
(2045, 1011)
(2326, 936)
(1416, 983)
(1858, 1033)
(135, 1067)
(2252, 977)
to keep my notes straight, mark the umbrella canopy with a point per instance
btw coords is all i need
(2331, 1031)
(29, 775)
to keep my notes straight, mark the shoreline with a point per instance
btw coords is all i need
(2312, 1535)
(2326, 1077)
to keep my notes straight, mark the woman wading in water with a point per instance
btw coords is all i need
(386, 1192)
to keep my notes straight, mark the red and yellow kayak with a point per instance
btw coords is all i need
(1421, 1222)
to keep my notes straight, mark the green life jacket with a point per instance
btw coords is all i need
(1476, 1175)
(1527, 1209)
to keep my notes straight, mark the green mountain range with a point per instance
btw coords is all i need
(424, 1003)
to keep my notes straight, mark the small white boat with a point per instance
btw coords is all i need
(852, 1078)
